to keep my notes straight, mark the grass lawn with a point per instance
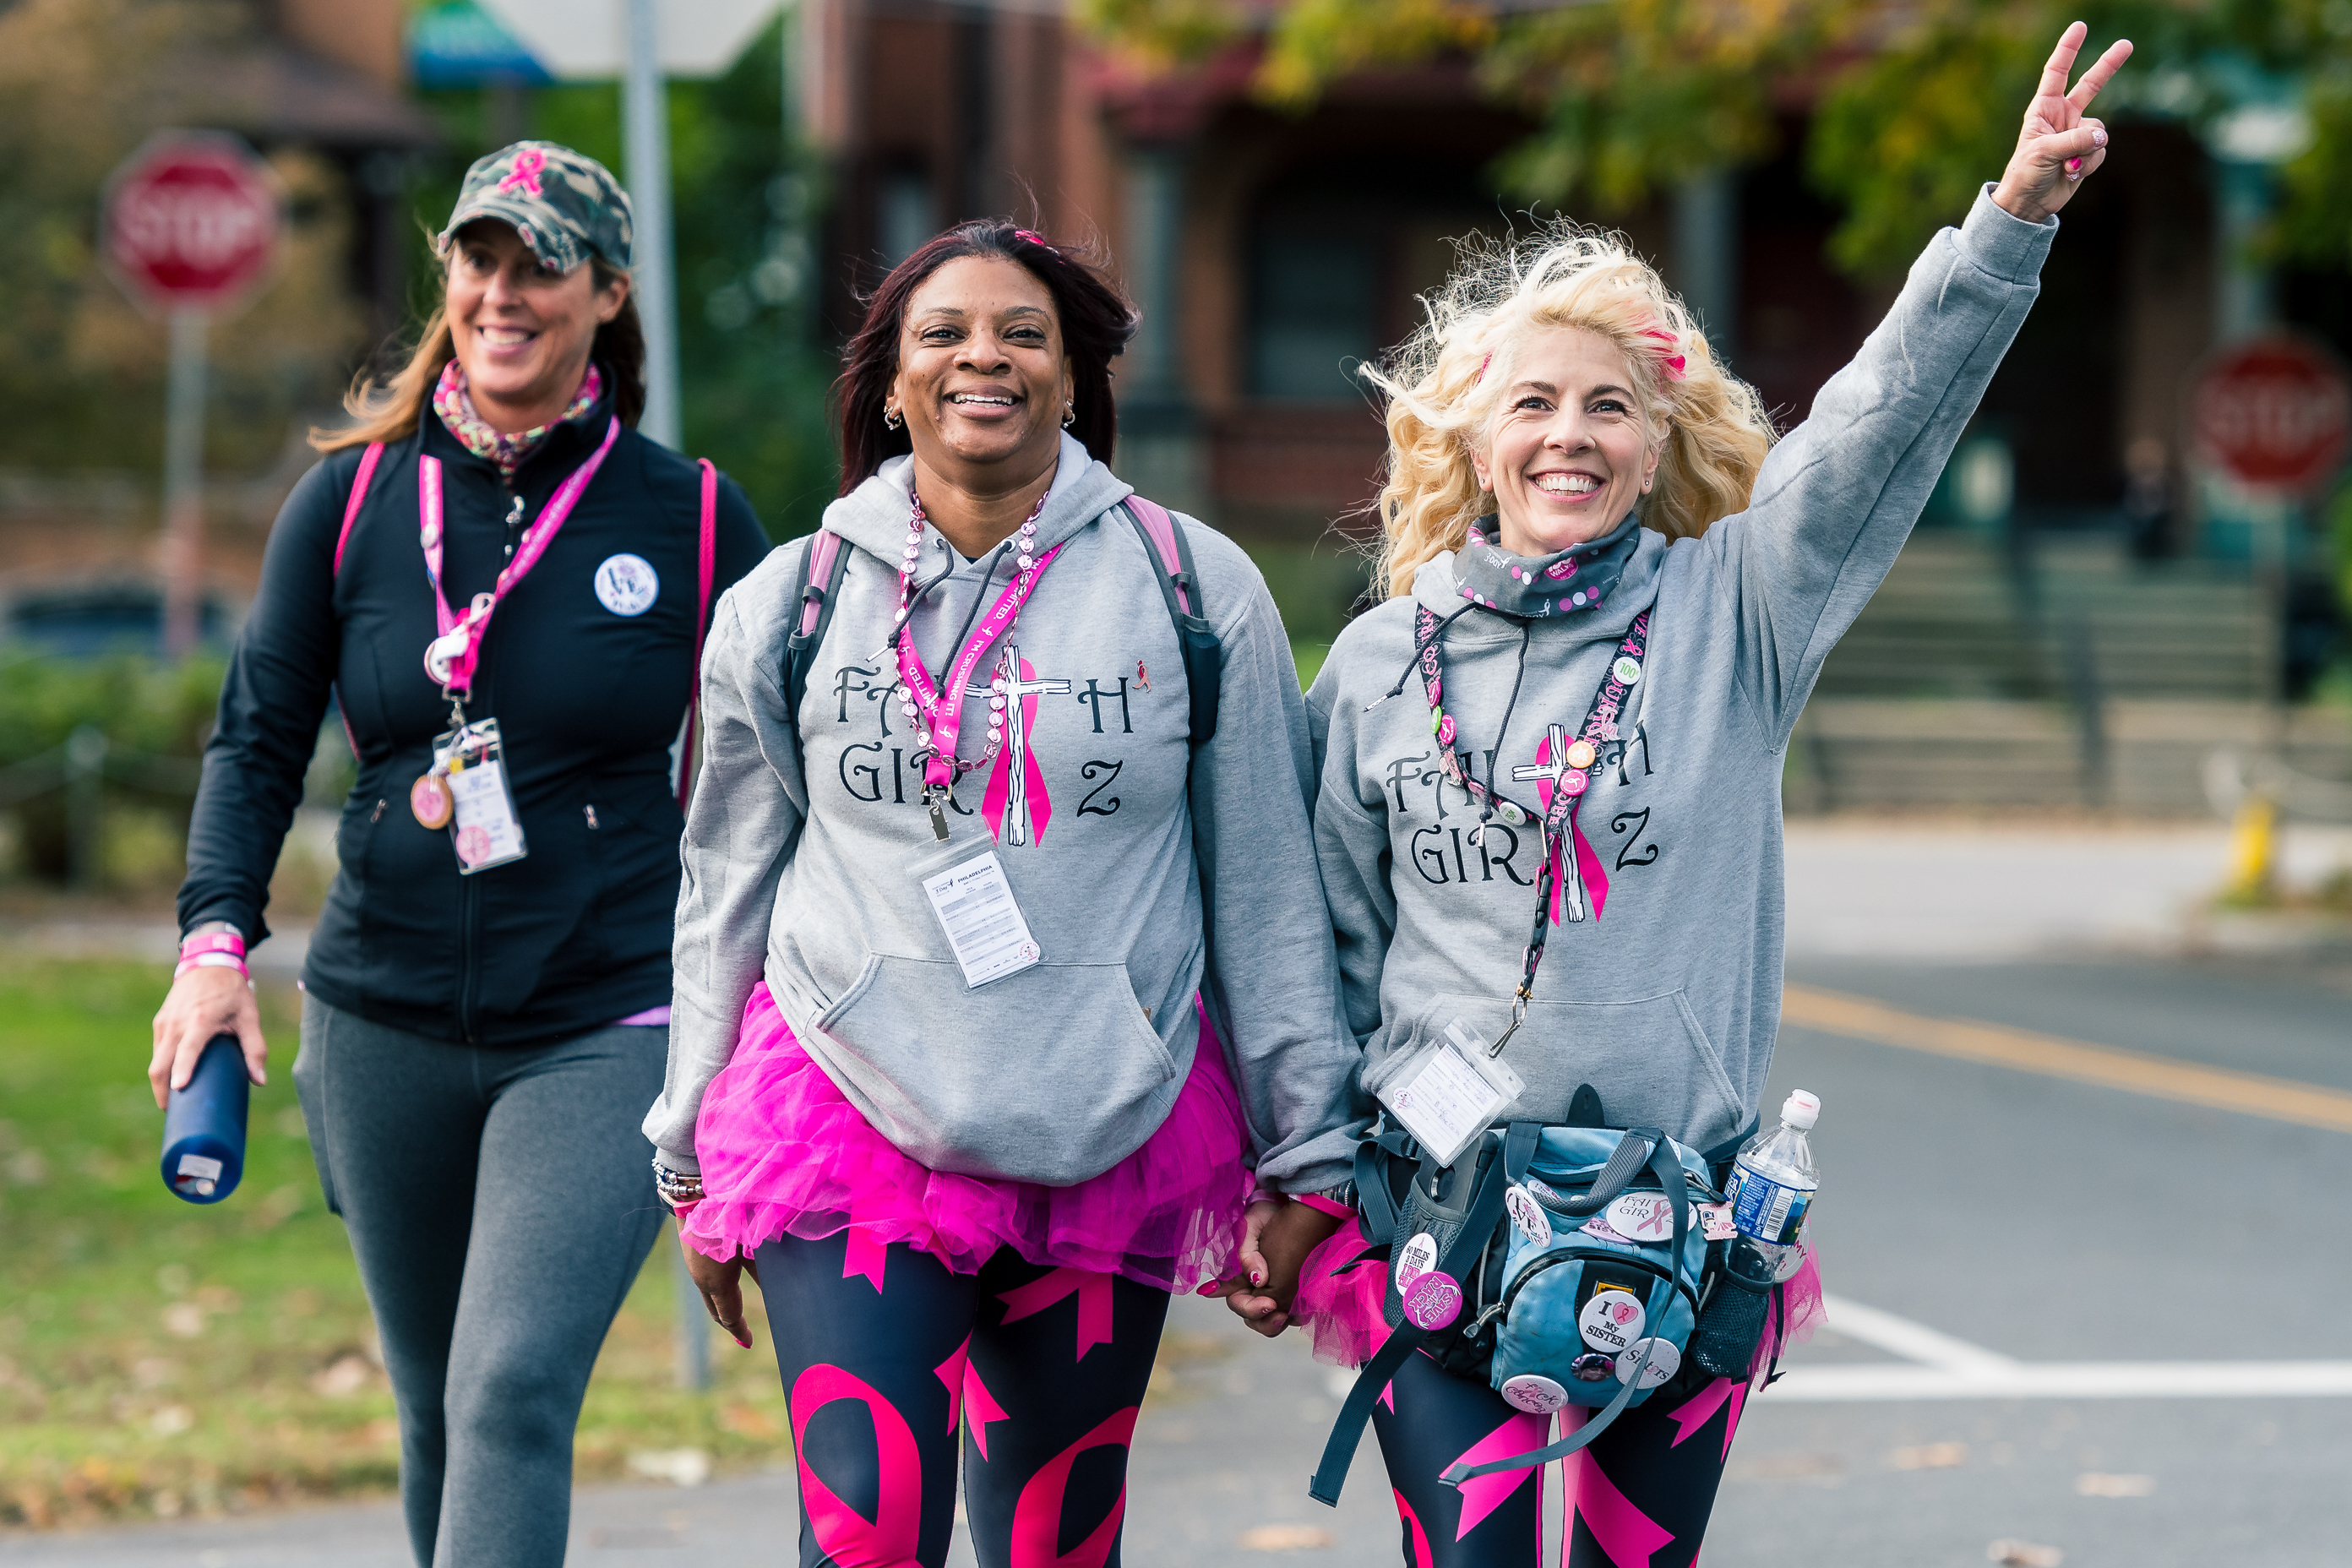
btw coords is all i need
(158, 1358)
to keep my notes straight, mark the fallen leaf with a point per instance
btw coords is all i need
(2090, 1483)
(1287, 1538)
(2023, 1554)
(1930, 1456)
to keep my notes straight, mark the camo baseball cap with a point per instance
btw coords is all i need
(566, 205)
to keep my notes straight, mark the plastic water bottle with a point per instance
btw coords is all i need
(1772, 1184)
(203, 1126)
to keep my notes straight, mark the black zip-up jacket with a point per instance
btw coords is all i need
(589, 703)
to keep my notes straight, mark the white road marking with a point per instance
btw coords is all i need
(1943, 1367)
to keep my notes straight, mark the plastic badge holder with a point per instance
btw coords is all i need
(203, 1126)
(1451, 1091)
(484, 825)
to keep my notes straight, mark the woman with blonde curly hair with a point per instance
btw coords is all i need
(1607, 593)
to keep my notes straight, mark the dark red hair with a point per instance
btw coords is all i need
(1095, 318)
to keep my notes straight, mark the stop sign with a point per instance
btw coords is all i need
(2273, 413)
(192, 221)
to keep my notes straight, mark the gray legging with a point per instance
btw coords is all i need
(499, 1201)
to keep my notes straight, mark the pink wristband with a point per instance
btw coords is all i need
(1318, 1202)
(212, 961)
(226, 942)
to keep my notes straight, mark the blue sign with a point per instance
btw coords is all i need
(458, 44)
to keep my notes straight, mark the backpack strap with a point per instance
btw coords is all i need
(359, 482)
(706, 569)
(1180, 585)
(817, 591)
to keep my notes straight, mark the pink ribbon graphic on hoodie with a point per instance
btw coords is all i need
(1017, 806)
(1552, 767)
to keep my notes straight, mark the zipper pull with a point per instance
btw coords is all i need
(377, 814)
(591, 812)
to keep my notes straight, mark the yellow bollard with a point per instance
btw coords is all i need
(2254, 852)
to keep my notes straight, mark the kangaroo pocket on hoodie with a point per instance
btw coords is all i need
(1088, 1077)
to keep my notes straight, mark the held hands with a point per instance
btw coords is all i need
(721, 1285)
(1275, 1240)
(2058, 147)
(204, 1003)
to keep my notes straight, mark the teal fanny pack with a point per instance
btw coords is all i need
(1562, 1264)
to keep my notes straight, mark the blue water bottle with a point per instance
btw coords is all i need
(203, 1126)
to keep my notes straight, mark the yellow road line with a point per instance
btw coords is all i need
(2136, 1072)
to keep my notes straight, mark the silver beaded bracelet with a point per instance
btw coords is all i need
(675, 1187)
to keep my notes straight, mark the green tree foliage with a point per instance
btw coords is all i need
(1915, 105)
(754, 378)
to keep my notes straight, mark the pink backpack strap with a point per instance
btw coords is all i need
(360, 480)
(823, 552)
(706, 569)
(1161, 528)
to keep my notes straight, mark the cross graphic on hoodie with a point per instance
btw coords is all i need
(1014, 688)
(1555, 768)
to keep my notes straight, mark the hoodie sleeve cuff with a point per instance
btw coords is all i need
(2006, 246)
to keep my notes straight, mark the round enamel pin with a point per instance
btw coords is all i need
(474, 847)
(1581, 754)
(1611, 1320)
(1432, 1300)
(1626, 671)
(1535, 1396)
(1665, 1361)
(627, 585)
(1527, 1215)
(429, 799)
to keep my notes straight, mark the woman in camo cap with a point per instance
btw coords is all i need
(487, 988)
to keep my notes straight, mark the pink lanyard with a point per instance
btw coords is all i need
(943, 720)
(449, 659)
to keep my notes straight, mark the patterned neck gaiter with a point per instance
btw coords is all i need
(1570, 583)
(455, 405)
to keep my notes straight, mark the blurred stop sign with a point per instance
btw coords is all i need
(192, 221)
(2273, 413)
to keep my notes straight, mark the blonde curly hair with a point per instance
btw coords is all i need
(1444, 389)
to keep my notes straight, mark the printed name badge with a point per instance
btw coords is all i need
(984, 921)
(627, 585)
(483, 824)
(1451, 1093)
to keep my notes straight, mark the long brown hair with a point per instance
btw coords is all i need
(389, 409)
(1095, 318)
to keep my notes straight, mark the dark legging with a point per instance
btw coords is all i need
(1641, 1493)
(499, 1201)
(885, 1354)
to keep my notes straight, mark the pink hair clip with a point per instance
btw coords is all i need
(1482, 368)
(1677, 365)
(1032, 238)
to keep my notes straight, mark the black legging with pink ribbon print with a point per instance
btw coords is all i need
(1638, 1498)
(894, 1367)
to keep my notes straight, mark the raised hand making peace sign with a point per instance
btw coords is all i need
(2059, 146)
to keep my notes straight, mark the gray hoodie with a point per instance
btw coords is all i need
(801, 867)
(1668, 1003)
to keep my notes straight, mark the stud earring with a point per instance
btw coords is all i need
(891, 420)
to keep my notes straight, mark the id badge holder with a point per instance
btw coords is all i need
(1449, 1092)
(484, 827)
(972, 900)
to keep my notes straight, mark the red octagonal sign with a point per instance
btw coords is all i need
(192, 221)
(2275, 413)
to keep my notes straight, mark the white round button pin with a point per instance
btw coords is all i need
(1535, 1396)
(1415, 1259)
(1527, 1215)
(1665, 1361)
(1611, 1320)
(1642, 1217)
(627, 585)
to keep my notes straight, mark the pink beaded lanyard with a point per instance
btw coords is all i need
(936, 709)
(450, 657)
(1563, 771)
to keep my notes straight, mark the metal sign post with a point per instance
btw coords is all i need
(183, 480)
(644, 127)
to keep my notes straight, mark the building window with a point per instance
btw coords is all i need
(905, 215)
(1314, 312)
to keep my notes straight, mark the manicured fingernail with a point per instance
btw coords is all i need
(1256, 1278)
(2098, 138)
(2074, 165)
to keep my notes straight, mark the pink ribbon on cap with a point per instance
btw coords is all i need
(525, 172)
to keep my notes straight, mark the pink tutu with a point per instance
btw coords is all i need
(1339, 1307)
(784, 1153)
